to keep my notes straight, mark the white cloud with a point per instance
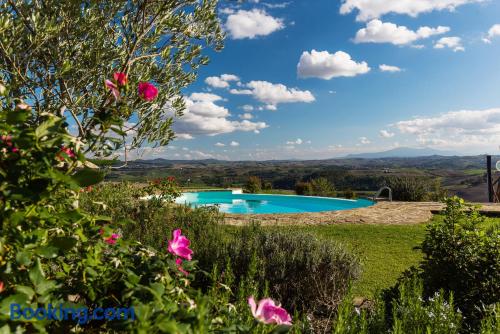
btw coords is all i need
(247, 107)
(205, 97)
(454, 43)
(234, 144)
(492, 33)
(222, 81)
(240, 91)
(377, 31)
(246, 116)
(389, 68)
(468, 130)
(298, 141)
(324, 65)
(386, 134)
(204, 117)
(274, 94)
(371, 9)
(252, 23)
(364, 140)
(220, 144)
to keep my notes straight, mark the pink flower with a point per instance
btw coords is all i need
(1, 286)
(67, 151)
(179, 245)
(112, 239)
(147, 91)
(120, 78)
(178, 262)
(114, 89)
(15, 150)
(269, 313)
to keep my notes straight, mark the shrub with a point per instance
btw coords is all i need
(463, 259)
(253, 185)
(349, 194)
(316, 187)
(409, 189)
(416, 189)
(301, 271)
(303, 188)
(410, 314)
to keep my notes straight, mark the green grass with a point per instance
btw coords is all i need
(385, 250)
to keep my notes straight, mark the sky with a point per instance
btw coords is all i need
(325, 78)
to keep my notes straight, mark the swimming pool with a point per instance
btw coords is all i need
(230, 202)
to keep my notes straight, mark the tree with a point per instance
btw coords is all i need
(253, 185)
(56, 56)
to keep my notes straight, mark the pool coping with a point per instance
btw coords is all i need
(382, 213)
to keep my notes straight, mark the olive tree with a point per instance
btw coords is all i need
(56, 55)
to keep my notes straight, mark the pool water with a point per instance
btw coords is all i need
(230, 202)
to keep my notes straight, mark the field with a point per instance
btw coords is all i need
(463, 176)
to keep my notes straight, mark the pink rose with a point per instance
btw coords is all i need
(269, 313)
(147, 91)
(179, 245)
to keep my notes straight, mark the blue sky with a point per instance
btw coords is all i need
(303, 80)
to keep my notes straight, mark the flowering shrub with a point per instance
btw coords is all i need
(52, 252)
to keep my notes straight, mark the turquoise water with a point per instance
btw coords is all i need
(265, 204)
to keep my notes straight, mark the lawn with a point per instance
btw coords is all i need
(385, 250)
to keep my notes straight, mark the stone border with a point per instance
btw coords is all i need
(385, 213)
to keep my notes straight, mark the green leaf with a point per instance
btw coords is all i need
(36, 274)
(87, 177)
(26, 290)
(64, 243)
(48, 252)
(45, 128)
(24, 258)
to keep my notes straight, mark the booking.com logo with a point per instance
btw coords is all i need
(80, 314)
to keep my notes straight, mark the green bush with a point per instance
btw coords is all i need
(415, 189)
(408, 189)
(303, 188)
(349, 194)
(253, 185)
(463, 259)
(410, 313)
(301, 271)
(316, 187)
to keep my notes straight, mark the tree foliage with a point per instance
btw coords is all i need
(56, 56)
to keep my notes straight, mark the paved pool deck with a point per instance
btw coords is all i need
(386, 213)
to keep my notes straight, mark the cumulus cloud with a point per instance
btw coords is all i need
(204, 117)
(454, 43)
(246, 116)
(389, 68)
(222, 81)
(465, 129)
(371, 9)
(492, 33)
(364, 140)
(234, 144)
(386, 134)
(377, 31)
(324, 65)
(252, 23)
(247, 107)
(220, 144)
(274, 94)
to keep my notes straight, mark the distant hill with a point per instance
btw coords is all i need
(403, 152)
